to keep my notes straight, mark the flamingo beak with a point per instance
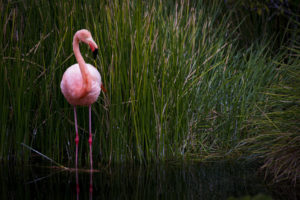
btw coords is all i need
(95, 52)
(93, 47)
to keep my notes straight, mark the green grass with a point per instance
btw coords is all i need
(278, 124)
(179, 83)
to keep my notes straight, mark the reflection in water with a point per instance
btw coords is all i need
(91, 185)
(77, 184)
(90, 188)
(180, 181)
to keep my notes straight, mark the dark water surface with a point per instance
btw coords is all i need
(165, 181)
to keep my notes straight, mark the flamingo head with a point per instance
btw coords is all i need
(86, 37)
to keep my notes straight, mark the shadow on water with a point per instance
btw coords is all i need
(164, 181)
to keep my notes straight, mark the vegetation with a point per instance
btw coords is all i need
(183, 81)
(275, 128)
(278, 124)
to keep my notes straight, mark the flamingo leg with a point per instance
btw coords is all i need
(90, 137)
(77, 137)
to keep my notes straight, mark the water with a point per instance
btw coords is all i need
(165, 181)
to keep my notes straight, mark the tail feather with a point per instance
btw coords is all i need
(103, 88)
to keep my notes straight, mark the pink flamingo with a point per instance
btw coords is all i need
(81, 83)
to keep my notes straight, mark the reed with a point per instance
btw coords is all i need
(277, 125)
(179, 85)
(274, 130)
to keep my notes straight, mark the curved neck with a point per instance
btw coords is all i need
(86, 85)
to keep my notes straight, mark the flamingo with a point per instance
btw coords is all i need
(81, 83)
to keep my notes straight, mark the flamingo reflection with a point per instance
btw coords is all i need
(90, 188)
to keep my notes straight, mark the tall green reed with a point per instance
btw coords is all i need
(276, 142)
(177, 82)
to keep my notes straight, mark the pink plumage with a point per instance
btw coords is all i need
(72, 82)
(81, 83)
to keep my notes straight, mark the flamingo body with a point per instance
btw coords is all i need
(81, 84)
(72, 82)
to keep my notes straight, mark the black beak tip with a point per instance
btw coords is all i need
(95, 52)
